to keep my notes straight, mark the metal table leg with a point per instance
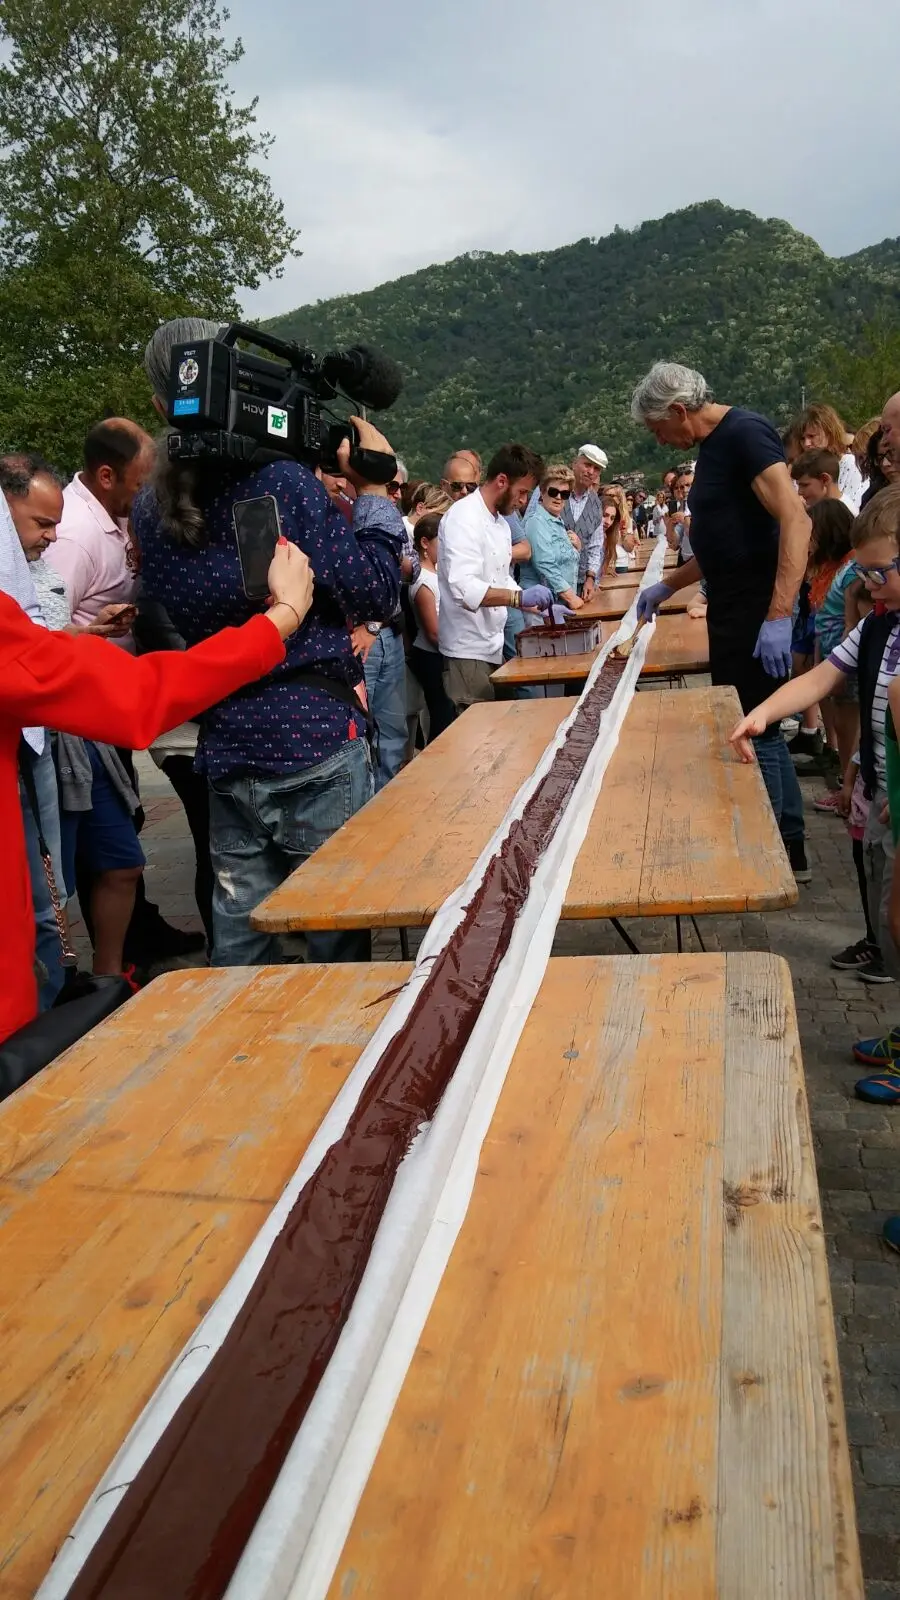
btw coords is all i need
(625, 937)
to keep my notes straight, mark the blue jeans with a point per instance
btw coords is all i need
(515, 624)
(48, 949)
(261, 829)
(780, 779)
(385, 671)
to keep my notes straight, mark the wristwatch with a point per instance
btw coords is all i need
(374, 627)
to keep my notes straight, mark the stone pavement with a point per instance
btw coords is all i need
(857, 1146)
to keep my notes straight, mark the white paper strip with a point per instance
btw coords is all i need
(298, 1539)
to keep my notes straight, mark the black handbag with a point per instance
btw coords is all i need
(84, 1001)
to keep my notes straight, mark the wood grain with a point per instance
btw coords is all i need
(564, 1428)
(134, 1175)
(614, 602)
(655, 846)
(680, 644)
(784, 1472)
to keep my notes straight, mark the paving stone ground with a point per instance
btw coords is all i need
(857, 1146)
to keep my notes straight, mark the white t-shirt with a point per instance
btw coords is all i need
(850, 482)
(846, 656)
(425, 580)
(474, 553)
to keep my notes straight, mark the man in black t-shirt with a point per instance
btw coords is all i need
(750, 538)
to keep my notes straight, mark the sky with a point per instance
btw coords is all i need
(410, 132)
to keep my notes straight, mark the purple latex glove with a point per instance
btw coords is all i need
(560, 615)
(773, 647)
(650, 600)
(537, 598)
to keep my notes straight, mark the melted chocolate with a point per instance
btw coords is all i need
(181, 1528)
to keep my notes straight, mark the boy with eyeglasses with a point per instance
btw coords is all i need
(871, 651)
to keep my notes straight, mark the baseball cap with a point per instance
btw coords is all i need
(595, 455)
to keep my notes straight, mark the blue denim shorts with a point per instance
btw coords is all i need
(102, 839)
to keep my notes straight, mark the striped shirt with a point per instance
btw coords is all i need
(845, 658)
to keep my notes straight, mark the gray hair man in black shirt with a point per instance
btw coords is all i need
(750, 536)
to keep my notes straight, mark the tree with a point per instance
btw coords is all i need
(858, 382)
(130, 192)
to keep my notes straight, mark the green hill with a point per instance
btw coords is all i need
(547, 347)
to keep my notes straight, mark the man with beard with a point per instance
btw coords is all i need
(474, 554)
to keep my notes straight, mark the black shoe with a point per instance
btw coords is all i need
(797, 856)
(856, 956)
(805, 743)
(873, 971)
(167, 944)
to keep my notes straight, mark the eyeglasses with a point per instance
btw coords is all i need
(462, 488)
(394, 487)
(878, 576)
(557, 494)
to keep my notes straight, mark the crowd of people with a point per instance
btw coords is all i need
(420, 591)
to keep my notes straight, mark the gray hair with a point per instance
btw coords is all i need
(402, 471)
(158, 354)
(669, 384)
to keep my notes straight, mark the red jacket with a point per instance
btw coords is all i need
(89, 687)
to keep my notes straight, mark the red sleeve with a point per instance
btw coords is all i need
(92, 688)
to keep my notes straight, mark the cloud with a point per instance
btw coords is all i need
(383, 191)
(410, 134)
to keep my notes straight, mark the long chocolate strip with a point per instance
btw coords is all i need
(181, 1528)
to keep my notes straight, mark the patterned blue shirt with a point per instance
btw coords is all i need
(281, 727)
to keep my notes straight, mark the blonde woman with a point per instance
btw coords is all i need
(554, 559)
(820, 428)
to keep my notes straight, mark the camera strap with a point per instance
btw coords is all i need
(313, 680)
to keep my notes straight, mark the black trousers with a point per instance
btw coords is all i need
(193, 792)
(427, 667)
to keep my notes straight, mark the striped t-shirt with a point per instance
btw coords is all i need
(845, 658)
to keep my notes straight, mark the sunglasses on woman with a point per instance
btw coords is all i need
(878, 575)
(394, 487)
(557, 494)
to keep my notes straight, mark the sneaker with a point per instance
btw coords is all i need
(882, 1054)
(873, 971)
(805, 743)
(797, 856)
(879, 1091)
(890, 1233)
(829, 802)
(855, 956)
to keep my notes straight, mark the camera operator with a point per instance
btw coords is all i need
(288, 761)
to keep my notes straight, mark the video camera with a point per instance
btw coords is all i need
(226, 404)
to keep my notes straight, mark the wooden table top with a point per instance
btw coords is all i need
(681, 826)
(680, 644)
(628, 1384)
(634, 575)
(609, 603)
(623, 1388)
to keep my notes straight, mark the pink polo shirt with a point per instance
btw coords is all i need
(91, 556)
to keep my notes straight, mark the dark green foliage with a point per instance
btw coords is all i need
(130, 192)
(547, 348)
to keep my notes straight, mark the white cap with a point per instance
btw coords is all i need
(596, 456)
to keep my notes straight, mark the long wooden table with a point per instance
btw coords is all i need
(681, 827)
(627, 1386)
(610, 603)
(679, 646)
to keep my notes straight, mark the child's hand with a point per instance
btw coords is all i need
(748, 728)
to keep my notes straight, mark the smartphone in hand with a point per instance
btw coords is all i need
(257, 529)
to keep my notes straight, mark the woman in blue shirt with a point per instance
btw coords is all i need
(554, 554)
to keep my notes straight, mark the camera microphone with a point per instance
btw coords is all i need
(367, 376)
